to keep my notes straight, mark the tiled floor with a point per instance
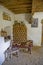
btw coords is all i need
(36, 58)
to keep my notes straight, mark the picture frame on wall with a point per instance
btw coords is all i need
(34, 22)
(6, 16)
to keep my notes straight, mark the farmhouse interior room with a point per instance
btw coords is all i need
(21, 32)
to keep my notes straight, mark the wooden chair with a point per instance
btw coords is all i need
(10, 51)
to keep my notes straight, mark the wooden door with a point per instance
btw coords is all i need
(42, 33)
(19, 32)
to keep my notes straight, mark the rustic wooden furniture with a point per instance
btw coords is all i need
(20, 36)
(19, 32)
(11, 50)
(25, 45)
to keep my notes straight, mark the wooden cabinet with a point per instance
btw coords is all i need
(19, 32)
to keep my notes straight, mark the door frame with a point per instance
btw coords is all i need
(42, 33)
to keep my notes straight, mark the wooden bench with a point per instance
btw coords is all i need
(27, 45)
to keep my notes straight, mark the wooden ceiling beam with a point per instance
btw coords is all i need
(18, 12)
(15, 2)
(22, 6)
(21, 10)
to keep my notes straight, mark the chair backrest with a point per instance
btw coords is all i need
(10, 47)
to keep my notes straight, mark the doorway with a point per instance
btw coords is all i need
(42, 34)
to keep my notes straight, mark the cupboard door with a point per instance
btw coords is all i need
(19, 33)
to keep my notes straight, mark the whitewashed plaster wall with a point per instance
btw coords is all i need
(32, 33)
(36, 33)
(4, 23)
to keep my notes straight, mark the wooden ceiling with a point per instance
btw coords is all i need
(37, 6)
(18, 6)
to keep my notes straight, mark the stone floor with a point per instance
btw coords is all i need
(24, 58)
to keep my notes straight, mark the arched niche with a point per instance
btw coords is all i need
(8, 30)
